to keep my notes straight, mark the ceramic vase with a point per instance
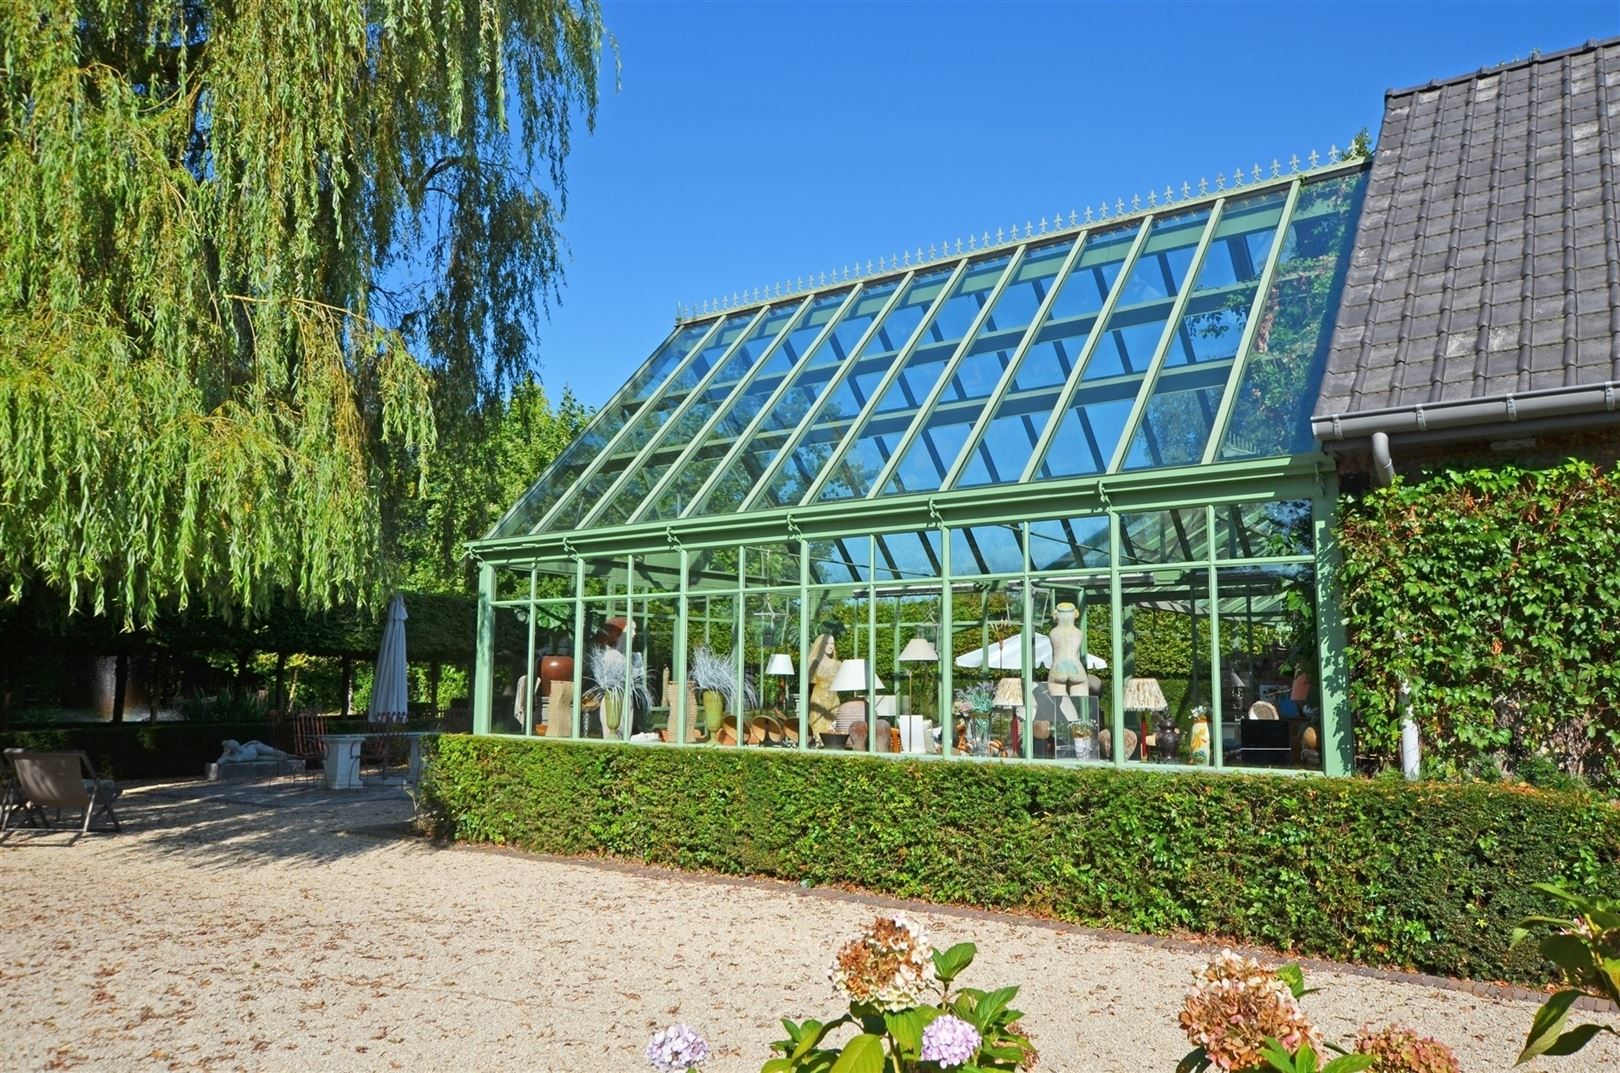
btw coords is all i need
(714, 711)
(612, 710)
(1198, 746)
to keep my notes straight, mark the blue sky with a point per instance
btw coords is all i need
(756, 142)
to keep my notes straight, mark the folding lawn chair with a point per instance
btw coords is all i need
(57, 781)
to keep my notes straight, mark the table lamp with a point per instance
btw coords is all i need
(781, 665)
(851, 678)
(918, 650)
(1144, 695)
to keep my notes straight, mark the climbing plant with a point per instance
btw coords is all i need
(253, 257)
(1493, 594)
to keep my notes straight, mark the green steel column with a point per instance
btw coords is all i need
(871, 645)
(1338, 738)
(802, 703)
(1217, 680)
(679, 714)
(529, 685)
(1116, 619)
(627, 712)
(946, 646)
(1027, 656)
(484, 683)
(739, 638)
(575, 715)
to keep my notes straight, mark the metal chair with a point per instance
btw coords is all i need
(60, 780)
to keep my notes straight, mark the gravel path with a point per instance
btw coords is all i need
(281, 928)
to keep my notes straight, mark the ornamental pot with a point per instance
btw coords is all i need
(714, 711)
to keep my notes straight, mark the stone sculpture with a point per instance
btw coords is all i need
(823, 659)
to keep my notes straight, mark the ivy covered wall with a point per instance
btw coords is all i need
(1495, 593)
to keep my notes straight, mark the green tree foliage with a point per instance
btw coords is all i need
(1493, 593)
(206, 392)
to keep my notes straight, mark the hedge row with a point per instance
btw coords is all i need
(1425, 876)
(140, 750)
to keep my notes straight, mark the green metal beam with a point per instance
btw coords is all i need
(1054, 421)
(1268, 274)
(484, 679)
(1010, 373)
(807, 422)
(900, 358)
(1338, 738)
(926, 407)
(1178, 307)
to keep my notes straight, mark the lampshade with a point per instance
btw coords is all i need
(919, 650)
(851, 677)
(780, 663)
(1009, 693)
(1144, 694)
(1234, 679)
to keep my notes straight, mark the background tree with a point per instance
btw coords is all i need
(252, 267)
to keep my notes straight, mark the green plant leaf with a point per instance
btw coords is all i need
(1574, 1040)
(1547, 1025)
(1568, 952)
(863, 1054)
(810, 1034)
(1294, 977)
(906, 1027)
(992, 1004)
(1196, 1061)
(949, 964)
(777, 1065)
(1349, 1063)
(1278, 1058)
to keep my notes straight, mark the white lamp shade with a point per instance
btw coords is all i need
(780, 663)
(1009, 693)
(851, 677)
(1144, 695)
(919, 650)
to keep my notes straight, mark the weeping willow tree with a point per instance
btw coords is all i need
(249, 250)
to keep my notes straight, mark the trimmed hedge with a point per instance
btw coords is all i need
(1425, 876)
(139, 750)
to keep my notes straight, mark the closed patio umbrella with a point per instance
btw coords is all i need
(388, 690)
(1007, 654)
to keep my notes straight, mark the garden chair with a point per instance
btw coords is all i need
(11, 795)
(62, 780)
(307, 730)
(385, 738)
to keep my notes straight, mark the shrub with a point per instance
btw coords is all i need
(1430, 876)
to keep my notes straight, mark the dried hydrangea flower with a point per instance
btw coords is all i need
(1398, 1049)
(1235, 1005)
(887, 964)
(677, 1049)
(949, 1041)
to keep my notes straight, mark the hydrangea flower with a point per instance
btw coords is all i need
(949, 1041)
(1398, 1049)
(677, 1049)
(887, 964)
(1234, 1005)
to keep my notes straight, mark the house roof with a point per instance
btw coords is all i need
(1484, 284)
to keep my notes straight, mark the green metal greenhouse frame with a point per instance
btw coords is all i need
(903, 388)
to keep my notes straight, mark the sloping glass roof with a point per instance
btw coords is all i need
(1191, 335)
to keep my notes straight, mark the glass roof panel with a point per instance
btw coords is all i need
(774, 427)
(848, 395)
(588, 492)
(857, 471)
(979, 373)
(609, 421)
(1009, 438)
(1282, 373)
(755, 398)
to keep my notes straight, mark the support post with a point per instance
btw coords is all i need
(484, 686)
(1338, 739)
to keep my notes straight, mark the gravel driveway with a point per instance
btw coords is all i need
(281, 928)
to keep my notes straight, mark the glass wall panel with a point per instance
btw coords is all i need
(1069, 543)
(1162, 536)
(605, 674)
(910, 660)
(594, 440)
(1165, 634)
(714, 664)
(553, 663)
(829, 361)
(853, 389)
(585, 497)
(978, 373)
(913, 556)
(678, 433)
(838, 559)
(858, 469)
(1010, 437)
(713, 569)
(658, 572)
(1071, 695)
(771, 629)
(986, 649)
(741, 409)
(1262, 530)
(841, 631)
(1178, 417)
(606, 577)
(773, 565)
(1271, 700)
(987, 549)
(1283, 370)
(653, 702)
(1091, 427)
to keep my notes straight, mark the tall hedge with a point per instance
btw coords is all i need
(139, 750)
(1428, 876)
(1495, 593)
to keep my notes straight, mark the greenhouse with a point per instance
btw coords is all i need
(1050, 497)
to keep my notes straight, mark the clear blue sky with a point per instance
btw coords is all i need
(755, 142)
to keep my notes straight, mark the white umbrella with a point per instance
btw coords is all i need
(1007, 654)
(388, 691)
